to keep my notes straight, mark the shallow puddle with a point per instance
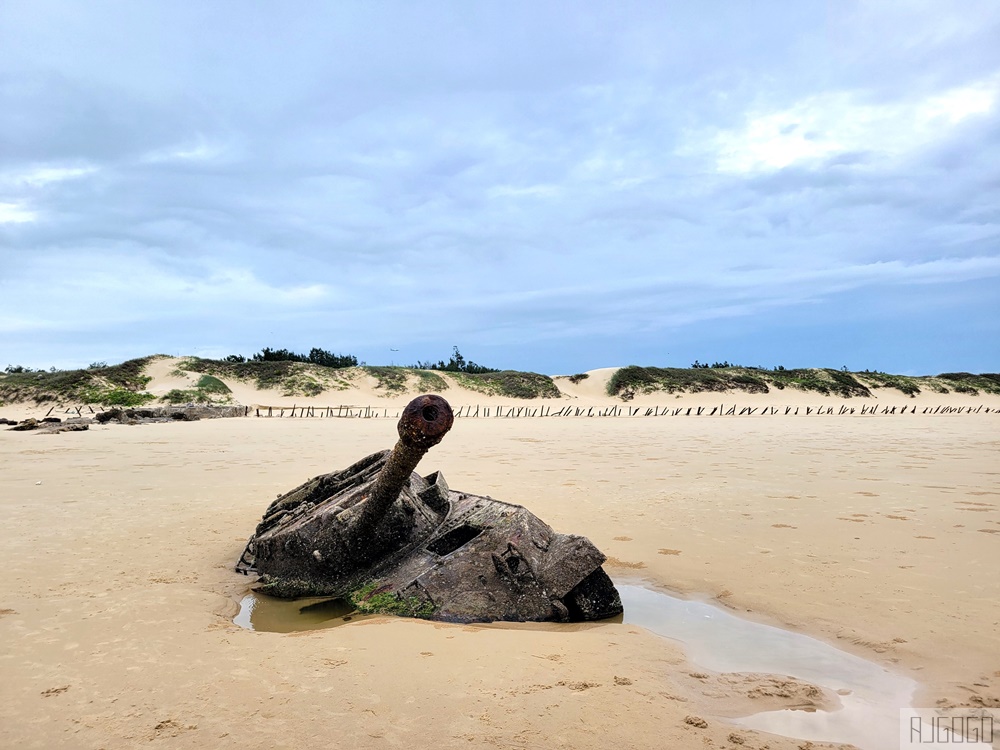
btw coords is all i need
(265, 613)
(714, 639)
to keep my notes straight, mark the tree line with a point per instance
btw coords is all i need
(324, 358)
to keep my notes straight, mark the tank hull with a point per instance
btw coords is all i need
(436, 553)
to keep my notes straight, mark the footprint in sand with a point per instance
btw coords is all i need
(782, 526)
(54, 691)
(669, 552)
(623, 539)
(171, 728)
(578, 686)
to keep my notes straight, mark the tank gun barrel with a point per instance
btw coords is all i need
(424, 422)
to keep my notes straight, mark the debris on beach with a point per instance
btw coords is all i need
(25, 425)
(389, 540)
(129, 416)
(49, 425)
(156, 414)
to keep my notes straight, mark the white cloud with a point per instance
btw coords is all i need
(529, 191)
(42, 175)
(16, 213)
(825, 125)
(96, 289)
(192, 151)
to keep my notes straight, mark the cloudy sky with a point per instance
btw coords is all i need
(549, 186)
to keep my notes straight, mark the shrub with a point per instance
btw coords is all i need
(316, 356)
(211, 384)
(116, 397)
(457, 363)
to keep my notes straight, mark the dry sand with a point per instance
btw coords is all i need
(880, 535)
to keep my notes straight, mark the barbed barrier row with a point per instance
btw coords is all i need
(528, 412)
(348, 411)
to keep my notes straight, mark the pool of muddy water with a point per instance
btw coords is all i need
(713, 638)
(265, 613)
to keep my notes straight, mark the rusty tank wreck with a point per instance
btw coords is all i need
(387, 539)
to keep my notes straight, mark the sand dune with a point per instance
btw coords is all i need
(361, 389)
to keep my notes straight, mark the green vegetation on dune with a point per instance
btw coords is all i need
(114, 385)
(826, 381)
(394, 379)
(966, 382)
(283, 370)
(510, 383)
(631, 381)
(390, 379)
(292, 378)
(208, 389)
(429, 382)
(908, 385)
(289, 377)
(262, 374)
(305, 379)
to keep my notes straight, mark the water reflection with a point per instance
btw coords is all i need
(259, 612)
(713, 638)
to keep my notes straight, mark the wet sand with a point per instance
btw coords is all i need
(878, 535)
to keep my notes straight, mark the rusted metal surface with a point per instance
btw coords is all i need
(424, 422)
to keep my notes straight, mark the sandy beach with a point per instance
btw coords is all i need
(879, 535)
